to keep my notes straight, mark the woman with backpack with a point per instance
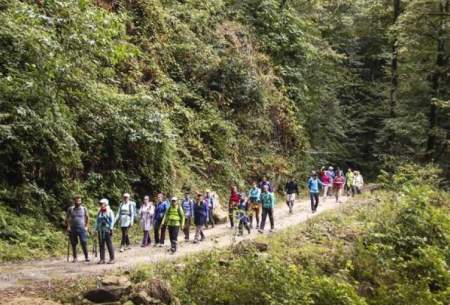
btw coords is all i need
(174, 219)
(104, 227)
(200, 217)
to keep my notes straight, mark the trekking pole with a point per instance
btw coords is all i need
(94, 245)
(68, 247)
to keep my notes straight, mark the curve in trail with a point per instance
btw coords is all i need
(19, 275)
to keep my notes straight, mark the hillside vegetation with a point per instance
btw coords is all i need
(102, 97)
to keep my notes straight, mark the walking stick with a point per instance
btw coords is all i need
(68, 247)
(94, 246)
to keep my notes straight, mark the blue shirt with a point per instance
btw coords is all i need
(160, 210)
(255, 192)
(188, 207)
(314, 184)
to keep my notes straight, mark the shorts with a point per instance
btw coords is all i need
(290, 197)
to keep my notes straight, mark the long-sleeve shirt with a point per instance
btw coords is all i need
(358, 181)
(146, 214)
(291, 187)
(160, 210)
(126, 214)
(254, 193)
(188, 207)
(105, 220)
(268, 200)
(234, 199)
(314, 184)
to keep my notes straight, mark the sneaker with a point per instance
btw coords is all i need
(155, 245)
(111, 262)
(172, 251)
(128, 248)
(272, 230)
(260, 231)
(87, 260)
(186, 239)
(74, 260)
(100, 262)
(195, 241)
(202, 239)
(161, 245)
(121, 250)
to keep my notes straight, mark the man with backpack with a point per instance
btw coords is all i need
(188, 208)
(77, 222)
(173, 219)
(291, 190)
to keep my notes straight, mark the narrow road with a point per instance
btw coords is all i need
(23, 274)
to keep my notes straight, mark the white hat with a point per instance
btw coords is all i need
(126, 195)
(174, 199)
(104, 200)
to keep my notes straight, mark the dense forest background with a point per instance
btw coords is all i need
(102, 97)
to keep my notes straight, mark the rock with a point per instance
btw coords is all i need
(159, 290)
(220, 215)
(29, 301)
(111, 289)
(142, 298)
(248, 245)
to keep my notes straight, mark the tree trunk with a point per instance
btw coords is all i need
(436, 80)
(394, 64)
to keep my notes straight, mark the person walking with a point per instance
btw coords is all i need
(173, 219)
(358, 183)
(159, 227)
(188, 208)
(200, 217)
(326, 183)
(211, 204)
(126, 215)
(242, 214)
(146, 214)
(314, 185)
(254, 195)
(104, 227)
(349, 181)
(77, 222)
(233, 202)
(268, 205)
(338, 185)
(291, 190)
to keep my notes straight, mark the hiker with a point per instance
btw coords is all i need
(255, 204)
(338, 185)
(357, 183)
(348, 181)
(173, 219)
(77, 221)
(210, 199)
(126, 215)
(146, 213)
(268, 205)
(265, 182)
(291, 190)
(200, 217)
(159, 227)
(188, 208)
(331, 173)
(242, 214)
(314, 184)
(104, 227)
(232, 204)
(326, 183)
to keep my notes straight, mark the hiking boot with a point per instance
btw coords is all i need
(195, 241)
(101, 262)
(260, 231)
(74, 260)
(121, 250)
(111, 262)
(161, 245)
(87, 260)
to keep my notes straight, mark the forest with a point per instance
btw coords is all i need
(102, 97)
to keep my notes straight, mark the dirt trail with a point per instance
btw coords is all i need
(19, 275)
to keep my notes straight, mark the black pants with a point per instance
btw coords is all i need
(146, 240)
(265, 212)
(186, 228)
(314, 201)
(80, 234)
(231, 212)
(160, 232)
(210, 218)
(125, 241)
(173, 235)
(104, 239)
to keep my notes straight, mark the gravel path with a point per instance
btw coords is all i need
(23, 274)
